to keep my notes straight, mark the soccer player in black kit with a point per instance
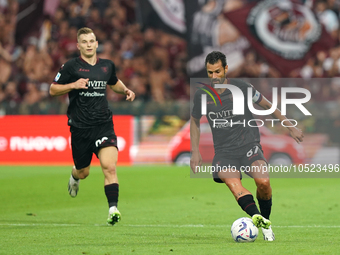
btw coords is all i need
(238, 145)
(85, 79)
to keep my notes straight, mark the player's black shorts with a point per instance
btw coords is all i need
(241, 159)
(86, 141)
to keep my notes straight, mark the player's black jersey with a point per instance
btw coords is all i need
(88, 107)
(229, 138)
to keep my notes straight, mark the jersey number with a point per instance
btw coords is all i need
(100, 141)
(252, 151)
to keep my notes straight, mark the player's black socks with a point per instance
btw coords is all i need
(248, 205)
(112, 192)
(265, 207)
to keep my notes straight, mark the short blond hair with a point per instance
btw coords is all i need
(84, 31)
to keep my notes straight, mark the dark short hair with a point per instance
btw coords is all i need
(214, 56)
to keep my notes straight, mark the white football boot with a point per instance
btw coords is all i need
(73, 187)
(114, 216)
(268, 234)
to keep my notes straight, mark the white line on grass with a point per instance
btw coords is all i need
(224, 226)
(40, 224)
(152, 226)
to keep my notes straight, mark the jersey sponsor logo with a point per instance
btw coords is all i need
(221, 119)
(226, 114)
(84, 70)
(94, 85)
(93, 94)
(286, 28)
(57, 77)
(97, 84)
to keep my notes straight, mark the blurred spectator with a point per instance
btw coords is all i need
(140, 66)
(140, 86)
(5, 65)
(115, 39)
(11, 98)
(307, 71)
(106, 51)
(63, 4)
(334, 5)
(160, 80)
(56, 21)
(327, 17)
(319, 67)
(255, 67)
(331, 63)
(152, 62)
(29, 104)
(127, 68)
(37, 64)
(69, 42)
(94, 19)
(76, 13)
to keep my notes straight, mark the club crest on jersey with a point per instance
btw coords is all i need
(57, 77)
(104, 68)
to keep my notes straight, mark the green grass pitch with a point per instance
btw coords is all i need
(164, 211)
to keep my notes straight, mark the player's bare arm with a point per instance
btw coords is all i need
(196, 159)
(295, 132)
(61, 89)
(120, 88)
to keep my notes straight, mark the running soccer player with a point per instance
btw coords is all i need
(85, 79)
(238, 145)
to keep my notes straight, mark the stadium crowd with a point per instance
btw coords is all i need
(150, 62)
(324, 64)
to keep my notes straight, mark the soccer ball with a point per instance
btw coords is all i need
(243, 230)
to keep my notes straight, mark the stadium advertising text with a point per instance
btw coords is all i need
(46, 140)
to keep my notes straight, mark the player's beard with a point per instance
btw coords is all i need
(218, 81)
